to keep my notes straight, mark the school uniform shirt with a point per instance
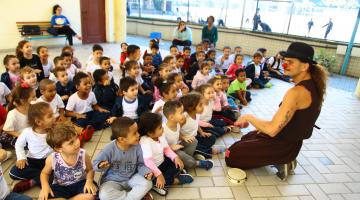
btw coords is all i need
(206, 115)
(91, 67)
(71, 71)
(130, 108)
(4, 188)
(191, 126)
(154, 151)
(34, 63)
(199, 79)
(225, 64)
(55, 104)
(124, 164)
(81, 106)
(159, 103)
(220, 101)
(106, 95)
(15, 121)
(52, 77)
(62, 90)
(172, 137)
(48, 68)
(277, 65)
(4, 91)
(36, 144)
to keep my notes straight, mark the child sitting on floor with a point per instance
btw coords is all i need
(168, 93)
(130, 103)
(202, 76)
(163, 73)
(194, 68)
(75, 60)
(123, 164)
(64, 87)
(254, 71)
(132, 70)
(70, 68)
(70, 165)
(191, 131)
(12, 75)
(156, 56)
(158, 156)
(48, 91)
(181, 87)
(97, 52)
(238, 59)
(29, 165)
(174, 113)
(28, 76)
(47, 65)
(105, 64)
(82, 107)
(4, 189)
(17, 119)
(105, 90)
(238, 88)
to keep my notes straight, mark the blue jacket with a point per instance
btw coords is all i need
(5, 78)
(118, 111)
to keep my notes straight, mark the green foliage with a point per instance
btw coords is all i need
(326, 59)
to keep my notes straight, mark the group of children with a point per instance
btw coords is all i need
(165, 116)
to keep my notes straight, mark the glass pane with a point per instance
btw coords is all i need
(234, 13)
(201, 9)
(164, 9)
(342, 14)
(132, 8)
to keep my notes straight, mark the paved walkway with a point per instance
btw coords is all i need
(329, 162)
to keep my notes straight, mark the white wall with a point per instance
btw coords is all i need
(12, 11)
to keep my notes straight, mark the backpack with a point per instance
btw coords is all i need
(30, 30)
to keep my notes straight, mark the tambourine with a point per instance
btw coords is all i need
(236, 176)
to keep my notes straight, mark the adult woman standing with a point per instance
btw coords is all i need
(210, 32)
(182, 35)
(62, 25)
(278, 141)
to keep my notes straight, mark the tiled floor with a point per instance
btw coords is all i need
(329, 162)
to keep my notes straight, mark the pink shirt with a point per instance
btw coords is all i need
(220, 101)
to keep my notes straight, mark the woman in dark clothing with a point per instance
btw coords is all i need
(62, 25)
(210, 32)
(278, 141)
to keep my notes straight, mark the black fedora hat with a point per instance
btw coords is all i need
(301, 51)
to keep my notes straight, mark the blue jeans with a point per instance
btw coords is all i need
(94, 118)
(17, 196)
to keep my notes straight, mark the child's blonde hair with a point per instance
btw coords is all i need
(201, 89)
(26, 70)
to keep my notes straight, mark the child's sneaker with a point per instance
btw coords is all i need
(268, 85)
(162, 192)
(148, 196)
(23, 185)
(206, 164)
(185, 178)
(88, 132)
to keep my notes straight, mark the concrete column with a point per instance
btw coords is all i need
(119, 20)
(109, 8)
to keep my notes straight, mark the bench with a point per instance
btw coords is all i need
(44, 25)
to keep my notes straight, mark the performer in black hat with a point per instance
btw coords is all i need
(278, 141)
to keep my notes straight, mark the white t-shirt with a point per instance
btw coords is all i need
(257, 70)
(172, 137)
(55, 104)
(160, 103)
(81, 106)
(48, 67)
(71, 71)
(191, 125)
(276, 64)
(52, 77)
(36, 143)
(4, 189)
(206, 115)
(15, 121)
(91, 67)
(4, 90)
(226, 64)
(130, 108)
(154, 149)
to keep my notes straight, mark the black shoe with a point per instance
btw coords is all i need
(283, 171)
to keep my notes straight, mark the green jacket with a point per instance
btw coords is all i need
(211, 35)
